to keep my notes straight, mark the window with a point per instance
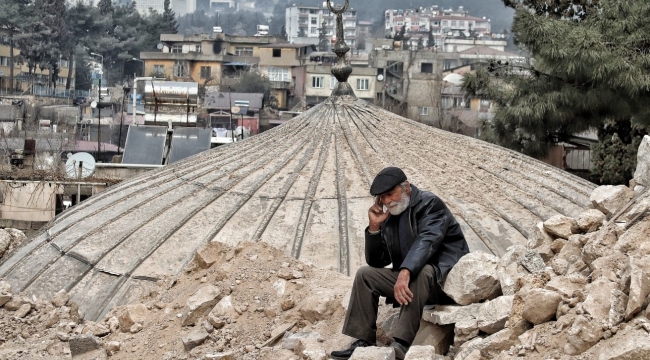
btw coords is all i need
(446, 65)
(4, 61)
(6, 40)
(317, 82)
(177, 48)
(426, 68)
(64, 63)
(363, 84)
(159, 69)
(424, 111)
(205, 72)
(445, 23)
(244, 51)
(314, 21)
(453, 24)
(333, 82)
(277, 52)
(278, 74)
(197, 48)
(314, 31)
(461, 24)
(180, 68)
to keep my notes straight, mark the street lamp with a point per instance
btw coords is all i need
(99, 107)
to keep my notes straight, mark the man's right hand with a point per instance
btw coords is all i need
(376, 215)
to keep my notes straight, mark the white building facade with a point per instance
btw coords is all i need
(303, 24)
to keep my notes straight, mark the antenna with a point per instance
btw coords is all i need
(80, 165)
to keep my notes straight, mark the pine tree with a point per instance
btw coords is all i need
(283, 32)
(169, 19)
(591, 66)
(322, 38)
(12, 18)
(105, 7)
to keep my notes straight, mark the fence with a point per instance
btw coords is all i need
(60, 93)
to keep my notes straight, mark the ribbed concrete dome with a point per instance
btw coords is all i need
(302, 187)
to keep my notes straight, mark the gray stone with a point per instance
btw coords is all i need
(132, 314)
(610, 266)
(508, 278)
(80, 344)
(451, 314)
(642, 172)
(373, 353)
(598, 301)
(5, 242)
(599, 244)
(438, 336)
(561, 226)
(113, 346)
(310, 349)
(5, 287)
(23, 310)
(559, 266)
(513, 254)
(630, 346)
(195, 338)
(558, 244)
(200, 303)
(540, 305)
(609, 199)
(533, 262)
(618, 301)
(474, 278)
(320, 306)
(60, 298)
(290, 341)
(14, 304)
(539, 237)
(492, 315)
(639, 270)
(465, 330)
(582, 335)
(572, 248)
(590, 220)
(420, 352)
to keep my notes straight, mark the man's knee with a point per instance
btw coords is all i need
(427, 273)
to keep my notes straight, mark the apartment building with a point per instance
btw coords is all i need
(22, 78)
(303, 24)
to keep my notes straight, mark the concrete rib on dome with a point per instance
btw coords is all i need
(302, 187)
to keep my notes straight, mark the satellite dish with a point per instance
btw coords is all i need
(159, 46)
(235, 110)
(380, 77)
(83, 159)
(455, 79)
(93, 104)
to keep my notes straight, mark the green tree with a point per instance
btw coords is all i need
(169, 19)
(591, 65)
(322, 37)
(105, 7)
(252, 82)
(12, 18)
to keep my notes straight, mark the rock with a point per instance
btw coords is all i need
(540, 305)
(508, 278)
(195, 338)
(17, 237)
(5, 287)
(216, 321)
(642, 172)
(229, 355)
(95, 329)
(566, 285)
(533, 262)
(419, 352)
(598, 301)
(373, 353)
(561, 226)
(609, 199)
(207, 255)
(440, 337)
(492, 315)
(639, 270)
(14, 304)
(634, 241)
(558, 244)
(52, 319)
(5, 242)
(136, 328)
(582, 335)
(112, 346)
(451, 314)
(539, 237)
(631, 346)
(320, 306)
(618, 301)
(131, 314)
(513, 254)
(465, 330)
(290, 341)
(311, 349)
(224, 307)
(590, 220)
(599, 244)
(60, 298)
(287, 304)
(559, 266)
(202, 301)
(474, 278)
(113, 323)
(609, 266)
(572, 248)
(23, 310)
(81, 344)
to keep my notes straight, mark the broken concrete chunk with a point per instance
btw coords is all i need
(474, 278)
(131, 314)
(508, 278)
(610, 266)
(60, 298)
(200, 303)
(451, 314)
(513, 254)
(533, 262)
(609, 199)
(373, 353)
(195, 338)
(440, 337)
(618, 301)
(290, 341)
(639, 270)
(208, 254)
(23, 310)
(590, 220)
(320, 306)
(561, 226)
(642, 172)
(539, 237)
(566, 285)
(540, 305)
(600, 244)
(492, 315)
(14, 304)
(420, 352)
(95, 329)
(224, 307)
(81, 344)
(311, 349)
(582, 335)
(630, 346)
(598, 301)
(558, 244)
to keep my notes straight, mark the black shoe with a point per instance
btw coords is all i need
(345, 354)
(400, 350)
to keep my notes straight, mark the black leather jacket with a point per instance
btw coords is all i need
(436, 238)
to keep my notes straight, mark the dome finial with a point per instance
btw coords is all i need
(341, 70)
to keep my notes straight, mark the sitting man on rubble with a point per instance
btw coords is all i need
(420, 237)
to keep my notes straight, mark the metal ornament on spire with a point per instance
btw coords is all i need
(341, 70)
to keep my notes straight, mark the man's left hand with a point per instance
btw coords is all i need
(402, 293)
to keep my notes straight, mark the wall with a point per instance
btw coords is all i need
(31, 201)
(288, 57)
(168, 64)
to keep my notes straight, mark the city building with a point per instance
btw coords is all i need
(283, 64)
(303, 24)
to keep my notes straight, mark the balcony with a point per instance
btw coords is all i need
(281, 85)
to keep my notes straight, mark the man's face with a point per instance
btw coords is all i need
(397, 199)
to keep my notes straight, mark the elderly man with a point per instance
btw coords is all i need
(420, 237)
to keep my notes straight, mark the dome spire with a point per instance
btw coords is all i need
(341, 70)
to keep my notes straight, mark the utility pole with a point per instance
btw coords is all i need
(99, 106)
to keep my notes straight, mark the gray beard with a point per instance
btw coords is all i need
(401, 205)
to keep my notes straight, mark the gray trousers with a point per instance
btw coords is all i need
(369, 284)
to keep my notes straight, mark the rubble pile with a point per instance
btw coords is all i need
(9, 240)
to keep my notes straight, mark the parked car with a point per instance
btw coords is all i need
(79, 100)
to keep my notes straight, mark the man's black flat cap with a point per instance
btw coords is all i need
(386, 180)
